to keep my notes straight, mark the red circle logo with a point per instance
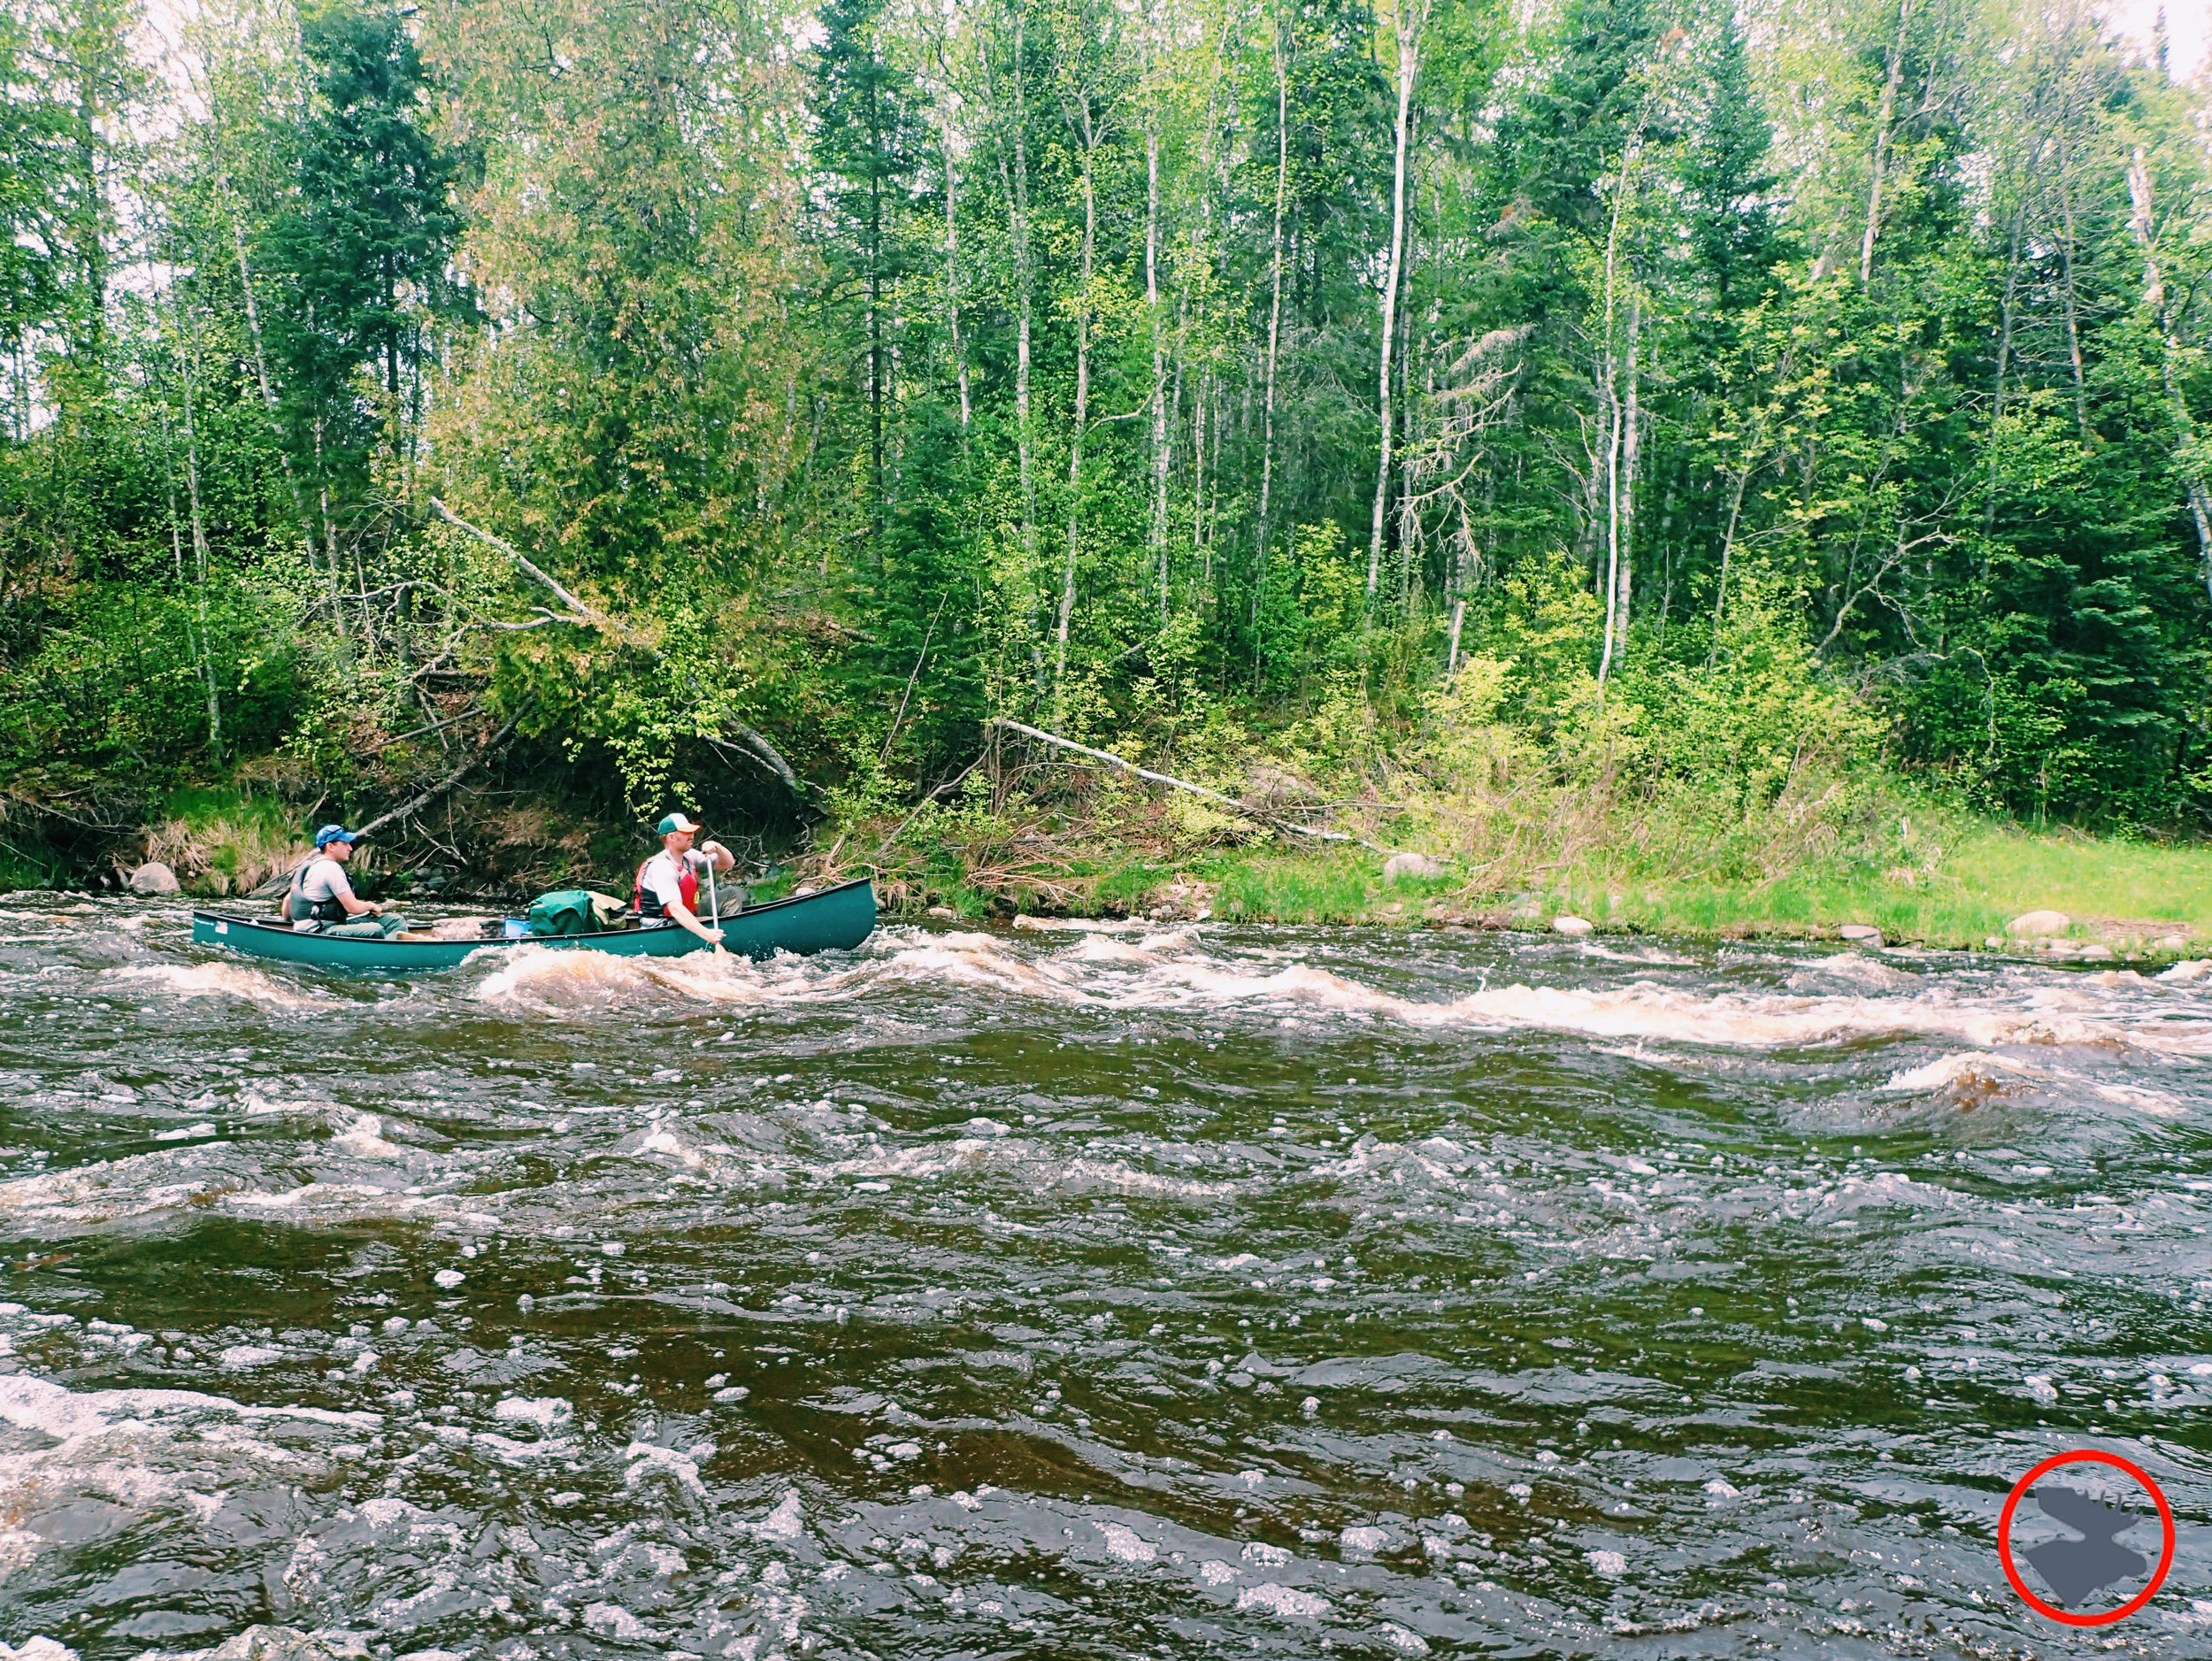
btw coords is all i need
(2086, 1456)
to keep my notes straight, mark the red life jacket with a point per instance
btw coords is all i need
(648, 903)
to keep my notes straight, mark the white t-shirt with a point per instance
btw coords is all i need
(662, 877)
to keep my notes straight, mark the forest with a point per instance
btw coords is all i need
(1688, 432)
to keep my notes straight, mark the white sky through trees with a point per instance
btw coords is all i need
(2188, 24)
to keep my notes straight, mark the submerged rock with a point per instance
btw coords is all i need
(153, 877)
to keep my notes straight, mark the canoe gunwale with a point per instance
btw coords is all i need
(758, 931)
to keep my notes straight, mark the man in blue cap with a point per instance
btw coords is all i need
(668, 884)
(321, 899)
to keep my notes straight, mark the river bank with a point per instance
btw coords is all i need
(2130, 899)
(1951, 882)
(2113, 901)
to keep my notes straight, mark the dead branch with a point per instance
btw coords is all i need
(581, 612)
(924, 803)
(1200, 790)
(451, 779)
(755, 747)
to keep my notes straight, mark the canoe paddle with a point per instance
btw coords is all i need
(714, 908)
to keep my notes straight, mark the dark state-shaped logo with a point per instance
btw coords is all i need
(2094, 1579)
(2073, 1567)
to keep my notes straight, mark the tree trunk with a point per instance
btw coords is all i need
(875, 322)
(952, 265)
(1274, 338)
(2073, 317)
(1089, 135)
(1881, 143)
(1632, 458)
(269, 403)
(1410, 16)
(1615, 419)
(199, 545)
(1018, 213)
(1198, 480)
(2004, 360)
(2143, 221)
(1159, 347)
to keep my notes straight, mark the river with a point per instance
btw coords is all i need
(1145, 1290)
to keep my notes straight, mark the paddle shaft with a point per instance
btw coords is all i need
(714, 907)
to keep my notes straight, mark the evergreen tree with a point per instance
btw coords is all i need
(362, 257)
(866, 136)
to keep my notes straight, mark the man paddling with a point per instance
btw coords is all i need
(668, 884)
(322, 898)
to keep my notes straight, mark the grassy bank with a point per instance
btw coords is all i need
(2138, 899)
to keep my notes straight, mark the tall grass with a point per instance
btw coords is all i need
(226, 839)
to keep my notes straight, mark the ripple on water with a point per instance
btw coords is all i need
(1113, 1289)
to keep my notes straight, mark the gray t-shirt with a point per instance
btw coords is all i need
(325, 879)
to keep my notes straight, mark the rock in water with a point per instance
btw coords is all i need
(1412, 865)
(2029, 923)
(1860, 933)
(153, 877)
(1577, 926)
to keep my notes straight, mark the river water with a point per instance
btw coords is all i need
(1137, 1291)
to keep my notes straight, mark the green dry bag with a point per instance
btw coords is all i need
(564, 911)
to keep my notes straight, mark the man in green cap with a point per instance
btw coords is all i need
(668, 884)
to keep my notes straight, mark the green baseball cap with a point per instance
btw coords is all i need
(675, 822)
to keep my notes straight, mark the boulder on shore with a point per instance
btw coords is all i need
(153, 877)
(1860, 933)
(1576, 926)
(2029, 924)
(1412, 865)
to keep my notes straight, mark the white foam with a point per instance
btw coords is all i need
(1104, 949)
(144, 1450)
(1285, 1601)
(1127, 1544)
(363, 1138)
(648, 1461)
(40, 1404)
(40, 1649)
(1975, 1069)
(787, 1521)
(116, 1190)
(218, 979)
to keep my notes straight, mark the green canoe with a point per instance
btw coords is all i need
(835, 919)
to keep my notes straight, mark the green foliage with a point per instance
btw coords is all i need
(853, 395)
(359, 260)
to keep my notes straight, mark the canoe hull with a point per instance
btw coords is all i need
(835, 919)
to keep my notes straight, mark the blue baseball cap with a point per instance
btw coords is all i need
(330, 833)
